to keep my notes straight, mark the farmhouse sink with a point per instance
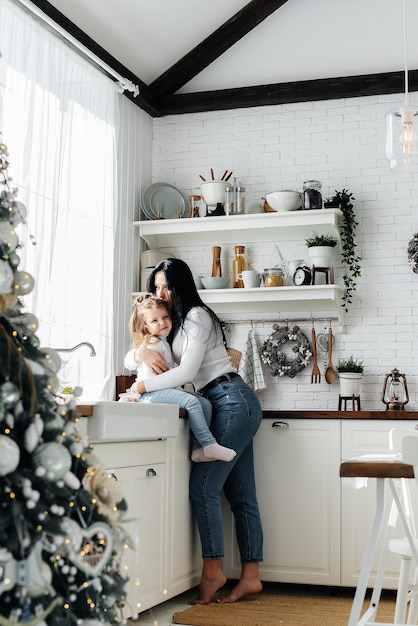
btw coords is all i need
(122, 421)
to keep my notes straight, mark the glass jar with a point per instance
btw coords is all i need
(274, 277)
(312, 196)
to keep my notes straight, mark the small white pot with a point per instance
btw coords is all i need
(350, 383)
(321, 256)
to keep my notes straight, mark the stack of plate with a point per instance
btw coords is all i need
(162, 201)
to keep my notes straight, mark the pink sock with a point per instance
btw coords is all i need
(198, 456)
(219, 453)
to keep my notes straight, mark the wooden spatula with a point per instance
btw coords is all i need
(330, 372)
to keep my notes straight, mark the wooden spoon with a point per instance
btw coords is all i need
(330, 372)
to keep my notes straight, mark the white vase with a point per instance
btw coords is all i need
(350, 383)
(321, 256)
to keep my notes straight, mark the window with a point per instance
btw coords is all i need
(59, 117)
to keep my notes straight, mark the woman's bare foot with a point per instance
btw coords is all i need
(248, 584)
(211, 581)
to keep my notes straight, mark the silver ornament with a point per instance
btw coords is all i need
(54, 458)
(24, 283)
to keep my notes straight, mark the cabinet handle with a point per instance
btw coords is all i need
(280, 425)
(150, 472)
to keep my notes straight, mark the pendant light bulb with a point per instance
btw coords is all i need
(401, 138)
(408, 137)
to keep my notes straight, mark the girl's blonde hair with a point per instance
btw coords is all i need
(137, 325)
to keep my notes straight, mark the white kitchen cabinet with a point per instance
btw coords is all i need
(297, 477)
(141, 468)
(154, 476)
(358, 506)
(184, 562)
(261, 227)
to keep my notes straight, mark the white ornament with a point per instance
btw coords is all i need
(31, 438)
(9, 455)
(72, 481)
(19, 213)
(99, 539)
(6, 277)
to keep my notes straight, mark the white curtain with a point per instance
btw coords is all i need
(59, 117)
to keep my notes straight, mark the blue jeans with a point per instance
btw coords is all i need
(236, 418)
(199, 411)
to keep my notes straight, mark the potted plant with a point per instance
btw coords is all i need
(321, 249)
(350, 372)
(350, 259)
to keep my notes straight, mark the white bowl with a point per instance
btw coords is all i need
(286, 200)
(213, 191)
(214, 282)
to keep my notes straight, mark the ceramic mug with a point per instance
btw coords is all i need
(250, 278)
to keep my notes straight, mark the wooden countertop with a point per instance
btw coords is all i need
(86, 410)
(352, 415)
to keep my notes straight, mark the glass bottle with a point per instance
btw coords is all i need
(238, 265)
(312, 196)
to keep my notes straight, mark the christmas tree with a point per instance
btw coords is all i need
(61, 531)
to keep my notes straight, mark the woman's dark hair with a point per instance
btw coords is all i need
(184, 296)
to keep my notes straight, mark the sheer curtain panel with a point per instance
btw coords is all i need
(59, 117)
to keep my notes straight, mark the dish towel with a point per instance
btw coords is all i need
(250, 367)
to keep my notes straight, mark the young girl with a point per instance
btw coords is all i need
(150, 324)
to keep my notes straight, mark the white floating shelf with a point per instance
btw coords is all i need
(248, 303)
(254, 227)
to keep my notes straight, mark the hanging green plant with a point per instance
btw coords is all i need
(349, 257)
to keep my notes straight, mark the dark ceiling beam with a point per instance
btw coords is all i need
(285, 93)
(145, 100)
(214, 46)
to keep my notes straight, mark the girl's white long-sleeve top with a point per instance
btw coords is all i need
(143, 371)
(198, 352)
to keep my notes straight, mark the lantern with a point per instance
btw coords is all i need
(395, 391)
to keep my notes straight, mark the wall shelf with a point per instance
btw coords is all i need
(250, 228)
(253, 227)
(309, 300)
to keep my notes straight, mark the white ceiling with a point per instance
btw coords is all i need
(302, 40)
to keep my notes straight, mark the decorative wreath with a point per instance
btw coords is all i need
(413, 253)
(272, 355)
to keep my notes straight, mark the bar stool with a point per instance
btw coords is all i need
(407, 594)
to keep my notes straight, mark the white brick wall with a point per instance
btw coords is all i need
(342, 144)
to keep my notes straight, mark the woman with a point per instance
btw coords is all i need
(198, 346)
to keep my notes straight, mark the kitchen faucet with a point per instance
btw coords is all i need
(79, 345)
